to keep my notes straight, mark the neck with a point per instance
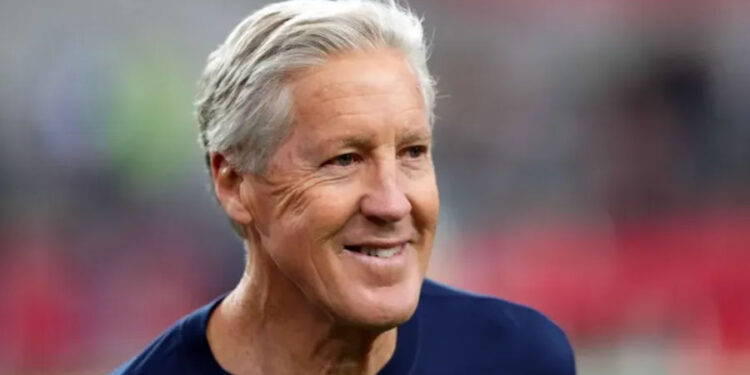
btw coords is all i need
(267, 326)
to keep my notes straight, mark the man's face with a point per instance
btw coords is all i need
(348, 207)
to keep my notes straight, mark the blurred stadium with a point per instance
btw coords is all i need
(593, 159)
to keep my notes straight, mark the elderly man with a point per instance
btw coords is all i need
(316, 121)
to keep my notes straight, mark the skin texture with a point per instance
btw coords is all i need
(355, 170)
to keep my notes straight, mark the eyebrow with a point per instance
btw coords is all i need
(415, 136)
(356, 141)
(363, 142)
(348, 141)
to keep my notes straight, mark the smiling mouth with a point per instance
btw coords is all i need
(376, 252)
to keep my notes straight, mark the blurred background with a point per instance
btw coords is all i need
(593, 161)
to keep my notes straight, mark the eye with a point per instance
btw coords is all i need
(343, 160)
(415, 152)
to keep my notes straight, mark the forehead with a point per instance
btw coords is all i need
(368, 86)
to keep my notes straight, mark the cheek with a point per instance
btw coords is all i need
(426, 213)
(330, 208)
(425, 201)
(314, 212)
(302, 241)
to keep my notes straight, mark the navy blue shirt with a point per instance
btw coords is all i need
(452, 332)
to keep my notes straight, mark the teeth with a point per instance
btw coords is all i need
(380, 253)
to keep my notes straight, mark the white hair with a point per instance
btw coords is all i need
(244, 103)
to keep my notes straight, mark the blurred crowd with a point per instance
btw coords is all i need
(592, 156)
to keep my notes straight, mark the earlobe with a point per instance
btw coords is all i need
(228, 187)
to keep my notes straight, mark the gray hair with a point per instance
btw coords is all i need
(244, 103)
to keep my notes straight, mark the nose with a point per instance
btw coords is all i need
(385, 201)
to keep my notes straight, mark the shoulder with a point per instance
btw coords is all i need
(497, 315)
(163, 354)
(492, 334)
(182, 349)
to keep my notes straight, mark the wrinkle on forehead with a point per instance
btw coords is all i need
(326, 101)
(348, 113)
(350, 78)
(346, 91)
(331, 78)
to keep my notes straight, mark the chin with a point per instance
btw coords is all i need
(383, 308)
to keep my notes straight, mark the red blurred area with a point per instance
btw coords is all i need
(686, 275)
(39, 320)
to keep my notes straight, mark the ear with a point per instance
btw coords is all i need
(227, 186)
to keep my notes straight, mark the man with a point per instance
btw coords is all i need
(316, 119)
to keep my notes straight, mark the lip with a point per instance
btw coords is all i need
(379, 272)
(396, 258)
(377, 244)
